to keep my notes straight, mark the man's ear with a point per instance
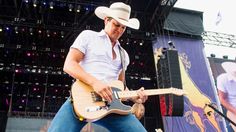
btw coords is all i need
(105, 20)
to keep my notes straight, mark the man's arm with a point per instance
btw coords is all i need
(224, 101)
(73, 68)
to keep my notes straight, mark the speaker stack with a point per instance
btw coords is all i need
(168, 75)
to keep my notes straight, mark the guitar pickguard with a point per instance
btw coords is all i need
(116, 103)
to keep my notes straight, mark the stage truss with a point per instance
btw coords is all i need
(219, 39)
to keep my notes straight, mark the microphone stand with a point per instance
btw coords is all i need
(216, 110)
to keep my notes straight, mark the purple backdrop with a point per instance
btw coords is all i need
(194, 119)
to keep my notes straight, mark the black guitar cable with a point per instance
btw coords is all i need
(220, 113)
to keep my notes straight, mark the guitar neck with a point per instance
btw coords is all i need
(129, 94)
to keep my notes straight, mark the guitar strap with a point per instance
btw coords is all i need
(122, 57)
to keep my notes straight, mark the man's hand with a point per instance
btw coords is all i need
(103, 90)
(142, 97)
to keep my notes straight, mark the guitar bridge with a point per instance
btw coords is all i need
(96, 97)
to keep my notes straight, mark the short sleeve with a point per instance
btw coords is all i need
(220, 82)
(81, 41)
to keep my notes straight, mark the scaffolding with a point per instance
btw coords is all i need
(219, 39)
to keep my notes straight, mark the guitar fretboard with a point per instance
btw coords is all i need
(128, 94)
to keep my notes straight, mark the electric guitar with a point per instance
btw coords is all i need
(89, 106)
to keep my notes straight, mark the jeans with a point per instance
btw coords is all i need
(66, 121)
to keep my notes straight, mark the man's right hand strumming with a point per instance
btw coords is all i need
(103, 90)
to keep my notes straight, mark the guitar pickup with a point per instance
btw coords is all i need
(96, 108)
(92, 108)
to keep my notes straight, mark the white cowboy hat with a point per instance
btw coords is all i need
(120, 12)
(230, 68)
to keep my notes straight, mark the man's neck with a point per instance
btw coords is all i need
(113, 44)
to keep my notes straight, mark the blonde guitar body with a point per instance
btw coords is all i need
(86, 106)
(90, 107)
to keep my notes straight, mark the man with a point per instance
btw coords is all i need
(94, 58)
(226, 84)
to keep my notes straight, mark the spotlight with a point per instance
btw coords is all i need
(26, 1)
(78, 8)
(16, 30)
(147, 34)
(141, 43)
(28, 54)
(127, 41)
(70, 7)
(39, 21)
(141, 64)
(62, 34)
(0, 29)
(63, 24)
(31, 31)
(44, 3)
(51, 4)
(87, 27)
(7, 28)
(87, 9)
(16, 19)
(39, 31)
(23, 30)
(54, 34)
(35, 3)
(48, 33)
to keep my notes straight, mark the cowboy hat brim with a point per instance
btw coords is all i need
(102, 12)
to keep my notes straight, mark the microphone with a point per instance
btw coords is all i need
(219, 112)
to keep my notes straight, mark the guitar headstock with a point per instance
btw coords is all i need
(178, 92)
